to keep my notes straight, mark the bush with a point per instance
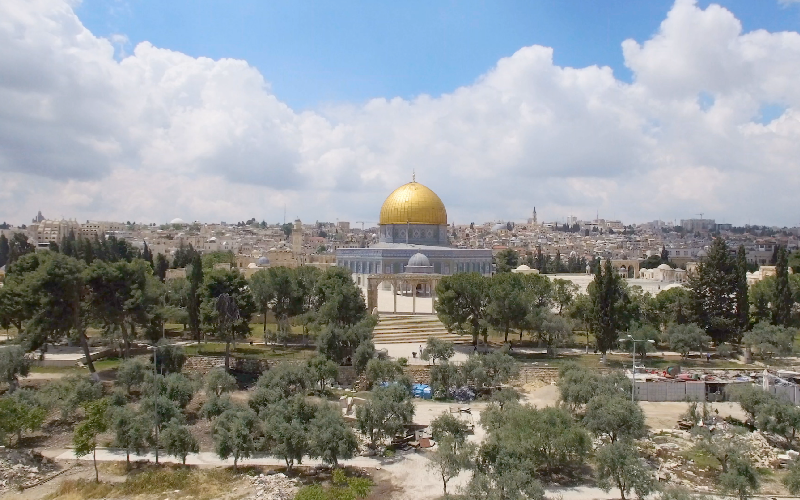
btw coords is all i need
(131, 373)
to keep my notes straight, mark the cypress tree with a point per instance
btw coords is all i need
(714, 293)
(782, 311)
(4, 250)
(195, 282)
(742, 289)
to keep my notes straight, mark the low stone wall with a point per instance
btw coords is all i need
(546, 374)
(204, 364)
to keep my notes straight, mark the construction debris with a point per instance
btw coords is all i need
(274, 487)
(23, 468)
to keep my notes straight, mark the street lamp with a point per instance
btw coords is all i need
(633, 341)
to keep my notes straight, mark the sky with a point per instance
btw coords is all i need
(146, 110)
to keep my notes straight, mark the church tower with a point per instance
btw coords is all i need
(535, 222)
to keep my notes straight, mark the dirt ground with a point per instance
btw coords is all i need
(404, 477)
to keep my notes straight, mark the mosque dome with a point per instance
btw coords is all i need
(262, 262)
(413, 203)
(177, 220)
(665, 267)
(419, 260)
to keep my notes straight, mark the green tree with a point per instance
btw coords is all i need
(446, 426)
(340, 343)
(686, 338)
(19, 246)
(218, 382)
(131, 430)
(196, 280)
(742, 291)
(160, 410)
(281, 382)
(235, 433)
(287, 429)
(219, 283)
(85, 436)
(4, 250)
(619, 465)
(215, 406)
(322, 370)
(564, 293)
(131, 373)
(506, 307)
(534, 441)
(19, 414)
(462, 302)
(286, 301)
(784, 300)
(383, 371)
(118, 296)
(436, 348)
(779, 417)
(553, 331)
(263, 293)
(715, 293)
(385, 415)
(506, 260)
(13, 364)
(445, 377)
(609, 301)
(169, 358)
(330, 438)
(57, 287)
(741, 478)
(578, 385)
(770, 340)
(672, 306)
(792, 479)
(339, 302)
(615, 417)
(160, 267)
(178, 441)
(447, 461)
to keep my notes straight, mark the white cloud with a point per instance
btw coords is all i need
(159, 134)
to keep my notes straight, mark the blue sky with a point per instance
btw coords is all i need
(499, 106)
(322, 52)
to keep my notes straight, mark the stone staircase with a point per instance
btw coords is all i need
(413, 328)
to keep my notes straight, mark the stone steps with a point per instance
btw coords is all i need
(416, 328)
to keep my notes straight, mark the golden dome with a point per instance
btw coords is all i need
(413, 203)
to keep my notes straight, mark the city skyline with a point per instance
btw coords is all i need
(96, 124)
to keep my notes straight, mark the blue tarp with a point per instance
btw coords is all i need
(422, 391)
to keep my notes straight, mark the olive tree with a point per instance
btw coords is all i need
(619, 465)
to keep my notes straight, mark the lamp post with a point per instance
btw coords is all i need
(633, 341)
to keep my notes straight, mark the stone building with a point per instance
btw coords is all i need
(413, 220)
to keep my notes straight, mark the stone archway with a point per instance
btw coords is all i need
(413, 280)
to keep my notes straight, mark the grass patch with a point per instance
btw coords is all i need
(701, 459)
(199, 484)
(250, 351)
(67, 370)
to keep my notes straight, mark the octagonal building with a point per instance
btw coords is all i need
(413, 220)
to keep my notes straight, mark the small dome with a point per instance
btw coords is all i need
(262, 262)
(523, 267)
(702, 253)
(177, 220)
(665, 267)
(252, 265)
(419, 260)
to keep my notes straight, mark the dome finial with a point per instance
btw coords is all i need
(413, 175)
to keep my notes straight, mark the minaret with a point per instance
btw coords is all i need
(535, 222)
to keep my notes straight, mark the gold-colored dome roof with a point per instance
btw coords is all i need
(415, 204)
